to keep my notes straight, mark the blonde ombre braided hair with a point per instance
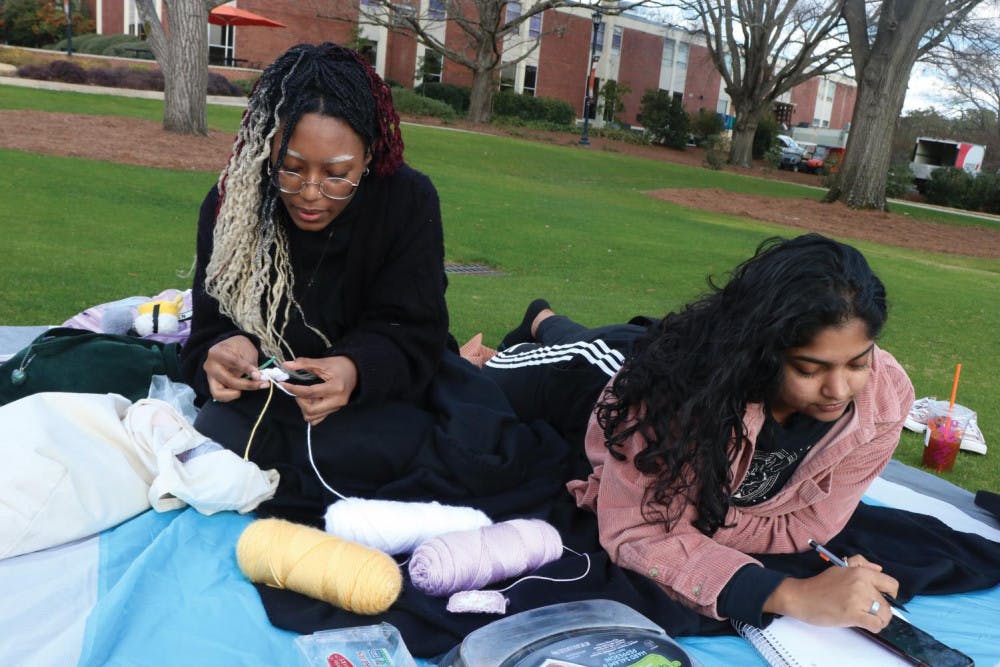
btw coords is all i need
(249, 272)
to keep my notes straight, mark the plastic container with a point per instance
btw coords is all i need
(590, 633)
(365, 646)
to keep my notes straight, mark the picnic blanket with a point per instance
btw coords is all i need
(164, 588)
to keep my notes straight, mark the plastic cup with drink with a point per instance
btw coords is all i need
(945, 430)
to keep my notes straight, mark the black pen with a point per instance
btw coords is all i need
(826, 554)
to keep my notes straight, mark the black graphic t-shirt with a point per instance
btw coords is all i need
(780, 449)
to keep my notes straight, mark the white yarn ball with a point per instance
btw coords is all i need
(396, 527)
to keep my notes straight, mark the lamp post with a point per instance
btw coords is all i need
(588, 100)
(69, 28)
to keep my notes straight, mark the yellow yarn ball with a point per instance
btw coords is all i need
(309, 561)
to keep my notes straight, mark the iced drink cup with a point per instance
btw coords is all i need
(944, 437)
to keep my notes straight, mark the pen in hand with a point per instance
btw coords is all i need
(826, 554)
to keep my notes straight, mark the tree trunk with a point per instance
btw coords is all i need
(882, 82)
(481, 96)
(186, 86)
(741, 149)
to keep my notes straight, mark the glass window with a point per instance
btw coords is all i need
(682, 54)
(530, 77)
(436, 10)
(400, 14)
(600, 37)
(616, 40)
(535, 26)
(430, 69)
(668, 53)
(507, 74)
(513, 10)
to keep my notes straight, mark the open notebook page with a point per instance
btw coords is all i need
(790, 642)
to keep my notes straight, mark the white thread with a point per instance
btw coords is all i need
(389, 526)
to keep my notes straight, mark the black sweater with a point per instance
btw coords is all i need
(378, 293)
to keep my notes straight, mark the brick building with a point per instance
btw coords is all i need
(631, 49)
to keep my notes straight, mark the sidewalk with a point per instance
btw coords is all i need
(222, 100)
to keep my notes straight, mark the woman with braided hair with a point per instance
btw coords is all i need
(318, 249)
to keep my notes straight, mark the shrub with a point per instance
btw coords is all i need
(67, 72)
(986, 192)
(664, 119)
(133, 48)
(772, 156)
(899, 181)
(409, 102)
(246, 85)
(717, 151)
(220, 85)
(507, 103)
(18, 57)
(765, 138)
(620, 134)
(951, 187)
(40, 72)
(457, 97)
(100, 44)
(705, 124)
(35, 23)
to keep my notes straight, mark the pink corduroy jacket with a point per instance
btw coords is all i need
(816, 502)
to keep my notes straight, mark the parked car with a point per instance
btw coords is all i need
(791, 153)
(824, 159)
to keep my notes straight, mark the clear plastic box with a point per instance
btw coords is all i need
(365, 646)
(589, 633)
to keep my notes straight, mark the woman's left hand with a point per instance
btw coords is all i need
(338, 378)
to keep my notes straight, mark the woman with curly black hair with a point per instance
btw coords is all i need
(749, 422)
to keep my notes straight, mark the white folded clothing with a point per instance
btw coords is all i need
(76, 464)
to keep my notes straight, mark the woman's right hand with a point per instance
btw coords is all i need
(231, 367)
(837, 596)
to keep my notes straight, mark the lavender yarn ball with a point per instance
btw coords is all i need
(470, 559)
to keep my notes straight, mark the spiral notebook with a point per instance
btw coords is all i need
(788, 642)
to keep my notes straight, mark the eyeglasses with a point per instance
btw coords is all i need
(332, 188)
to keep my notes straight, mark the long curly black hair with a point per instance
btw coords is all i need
(690, 378)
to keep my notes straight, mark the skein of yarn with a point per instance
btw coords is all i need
(308, 561)
(398, 527)
(471, 559)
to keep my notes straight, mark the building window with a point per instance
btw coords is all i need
(682, 55)
(368, 49)
(367, 3)
(668, 53)
(507, 74)
(431, 66)
(616, 40)
(535, 26)
(401, 15)
(220, 44)
(600, 37)
(530, 77)
(513, 11)
(436, 10)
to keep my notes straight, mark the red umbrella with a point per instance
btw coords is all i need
(229, 15)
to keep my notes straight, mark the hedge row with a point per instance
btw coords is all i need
(956, 188)
(117, 77)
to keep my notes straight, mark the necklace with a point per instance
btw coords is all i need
(19, 374)
(322, 256)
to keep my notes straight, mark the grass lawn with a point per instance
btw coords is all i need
(561, 222)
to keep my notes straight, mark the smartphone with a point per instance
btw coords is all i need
(301, 377)
(917, 646)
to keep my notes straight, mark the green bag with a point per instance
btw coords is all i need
(81, 361)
